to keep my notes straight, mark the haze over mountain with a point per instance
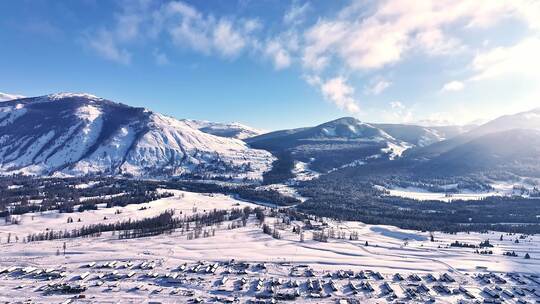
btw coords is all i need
(231, 130)
(422, 136)
(77, 134)
(529, 120)
(6, 96)
(509, 143)
(516, 151)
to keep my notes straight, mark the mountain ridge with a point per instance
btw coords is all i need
(77, 134)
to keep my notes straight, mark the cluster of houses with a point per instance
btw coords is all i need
(226, 282)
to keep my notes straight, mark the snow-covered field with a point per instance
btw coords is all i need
(499, 189)
(389, 251)
(424, 195)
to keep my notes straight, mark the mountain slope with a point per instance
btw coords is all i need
(6, 97)
(419, 135)
(329, 146)
(76, 134)
(516, 151)
(524, 120)
(230, 130)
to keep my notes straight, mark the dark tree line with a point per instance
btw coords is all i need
(348, 197)
(165, 222)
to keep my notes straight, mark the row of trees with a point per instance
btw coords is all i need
(165, 222)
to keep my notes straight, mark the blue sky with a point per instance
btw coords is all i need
(280, 64)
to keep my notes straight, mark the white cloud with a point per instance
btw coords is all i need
(382, 38)
(127, 27)
(367, 37)
(519, 60)
(296, 13)
(397, 105)
(6, 96)
(160, 57)
(227, 40)
(281, 48)
(434, 42)
(398, 112)
(312, 80)
(453, 86)
(337, 91)
(319, 39)
(105, 44)
(206, 34)
(363, 37)
(186, 26)
(377, 87)
(111, 43)
(279, 55)
(182, 23)
(437, 120)
(252, 25)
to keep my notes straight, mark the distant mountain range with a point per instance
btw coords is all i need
(421, 136)
(346, 142)
(342, 142)
(509, 143)
(6, 96)
(78, 134)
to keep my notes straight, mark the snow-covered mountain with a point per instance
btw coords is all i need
(329, 146)
(529, 120)
(422, 136)
(6, 96)
(509, 143)
(523, 120)
(515, 150)
(75, 134)
(230, 130)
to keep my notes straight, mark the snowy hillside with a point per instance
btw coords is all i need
(75, 134)
(421, 136)
(230, 130)
(523, 120)
(346, 130)
(6, 96)
(344, 142)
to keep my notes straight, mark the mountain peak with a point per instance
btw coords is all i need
(81, 133)
(7, 97)
(230, 130)
(344, 120)
(63, 95)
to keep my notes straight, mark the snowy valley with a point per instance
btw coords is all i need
(103, 202)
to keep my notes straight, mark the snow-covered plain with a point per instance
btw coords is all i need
(424, 195)
(390, 250)
(500, 188)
